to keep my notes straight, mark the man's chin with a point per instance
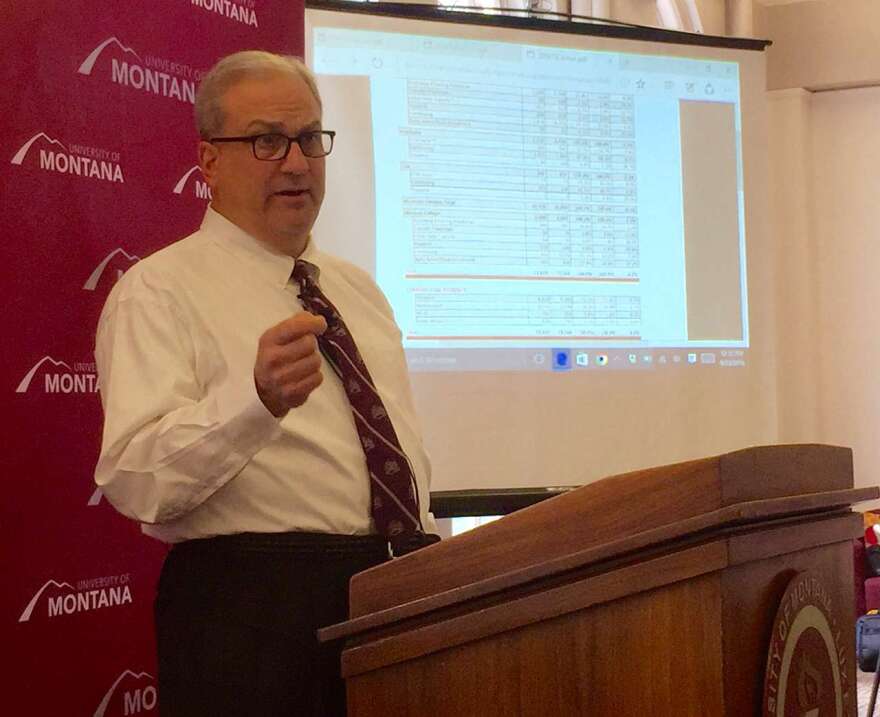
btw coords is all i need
(291, 237)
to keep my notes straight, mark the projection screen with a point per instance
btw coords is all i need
(570, 230)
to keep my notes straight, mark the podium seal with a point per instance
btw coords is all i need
(806, 673)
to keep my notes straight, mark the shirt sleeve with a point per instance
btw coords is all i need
(168, 443)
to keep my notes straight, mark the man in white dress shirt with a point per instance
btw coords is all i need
(227, 435)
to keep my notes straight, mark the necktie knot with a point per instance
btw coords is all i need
(305, 274)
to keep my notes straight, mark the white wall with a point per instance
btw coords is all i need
(821, 43)
(790, 200)
(846, 219)
(824, 165)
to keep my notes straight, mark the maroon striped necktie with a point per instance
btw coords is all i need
(393, 491)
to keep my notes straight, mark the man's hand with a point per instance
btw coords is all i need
(288, 365)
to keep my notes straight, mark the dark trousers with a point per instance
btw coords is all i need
(236, 618)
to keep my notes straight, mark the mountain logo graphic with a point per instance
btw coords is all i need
(202, 190)
(28, 611)
(136, 696)
(178, 188)
(25, 148)
(86, 67)
(116, 257)
(95, 498)
(26, 381)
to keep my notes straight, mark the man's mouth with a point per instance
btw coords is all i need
(293, 192)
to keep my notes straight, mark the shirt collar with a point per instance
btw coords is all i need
(272, 264)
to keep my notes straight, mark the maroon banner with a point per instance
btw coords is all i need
(97, 169)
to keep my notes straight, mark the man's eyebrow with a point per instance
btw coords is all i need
(266, 126)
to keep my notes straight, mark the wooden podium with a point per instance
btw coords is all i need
(650, 593)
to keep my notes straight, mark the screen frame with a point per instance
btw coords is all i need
(601, 28)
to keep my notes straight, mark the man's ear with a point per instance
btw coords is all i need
(208, 158)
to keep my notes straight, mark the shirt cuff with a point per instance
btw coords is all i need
(247, 423)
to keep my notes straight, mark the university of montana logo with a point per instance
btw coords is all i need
(147, 73)
(57, 599)
(131, 693)
(76, 159)
(59, 377)
(806, 673)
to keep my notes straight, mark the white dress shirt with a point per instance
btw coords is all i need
(188, 447)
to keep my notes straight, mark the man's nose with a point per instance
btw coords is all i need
(295, 162)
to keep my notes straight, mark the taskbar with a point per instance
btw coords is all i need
(562, 359)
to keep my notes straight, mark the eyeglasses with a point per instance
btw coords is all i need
(275, 146)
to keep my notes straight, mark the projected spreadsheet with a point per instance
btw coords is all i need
(514, 185)
(534, 182)
(548, 316)
(527, 195)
